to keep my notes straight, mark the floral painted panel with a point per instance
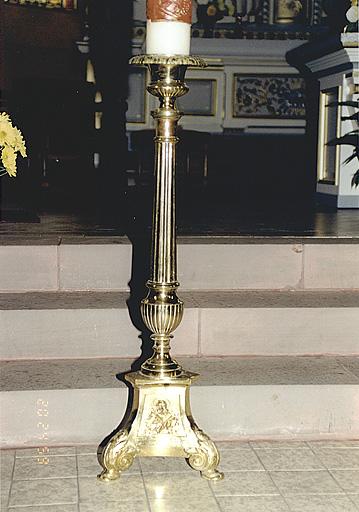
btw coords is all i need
(269, 97)
(62, 4)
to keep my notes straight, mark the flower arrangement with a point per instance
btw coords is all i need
(11, 142)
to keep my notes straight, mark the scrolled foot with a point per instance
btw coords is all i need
(107, 476)
(205, 457)
(116, 457)
(212, 474)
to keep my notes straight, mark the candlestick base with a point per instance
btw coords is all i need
(160, 424)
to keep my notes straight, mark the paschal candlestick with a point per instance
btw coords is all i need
(160, 422)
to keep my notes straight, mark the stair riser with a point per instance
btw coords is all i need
(201, 267)
(87, 333)
(88, 415)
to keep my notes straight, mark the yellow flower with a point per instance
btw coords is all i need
(8, 157)
(7, 135)
(5, 116)
(19, 143)
(11, 142)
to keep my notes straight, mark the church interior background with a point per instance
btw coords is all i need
(248, 156)
(268, 251)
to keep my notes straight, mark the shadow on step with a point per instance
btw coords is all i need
(140, 272)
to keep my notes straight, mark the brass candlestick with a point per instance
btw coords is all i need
(160, 422)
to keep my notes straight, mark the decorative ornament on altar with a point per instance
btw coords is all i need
(11, 143)
(290, 11)
(290, 8)
(210, 12)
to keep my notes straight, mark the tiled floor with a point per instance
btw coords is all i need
(321, 476)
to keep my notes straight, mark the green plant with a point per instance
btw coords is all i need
(351, 138)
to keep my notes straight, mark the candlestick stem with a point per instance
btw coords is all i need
(162, 310)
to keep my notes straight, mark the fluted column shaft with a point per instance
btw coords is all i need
(164, 257)
(162, 310)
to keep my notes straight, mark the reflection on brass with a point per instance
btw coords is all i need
(160, 422)
(169, 10)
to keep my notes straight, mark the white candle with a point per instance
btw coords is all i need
(168, 27)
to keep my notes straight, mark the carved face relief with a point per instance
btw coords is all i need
(169, 10)
(161, 420)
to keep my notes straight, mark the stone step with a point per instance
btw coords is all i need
(81, 401)
(205, 263)
(45, 325)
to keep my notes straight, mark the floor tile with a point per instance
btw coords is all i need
(332, 443)
(7, 459)
(239, 460)
(289, 459)
(164, 465)
(44, 492)
(245, 484)
(248, 486)
(6, 454)
(4, 497)
(355, 499)
(280, 445)
(232, 445)
(126, 488)
(321, 504)
(348, 480)
(30, 468)
(88, 465)
(176, 485)
(305, 482)
(45, 451)
(252, 504)
(337, 458)
(48, 508)
(114, 506)
(185, 505)
(86, 449)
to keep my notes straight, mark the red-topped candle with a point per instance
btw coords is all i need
(168, 27)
